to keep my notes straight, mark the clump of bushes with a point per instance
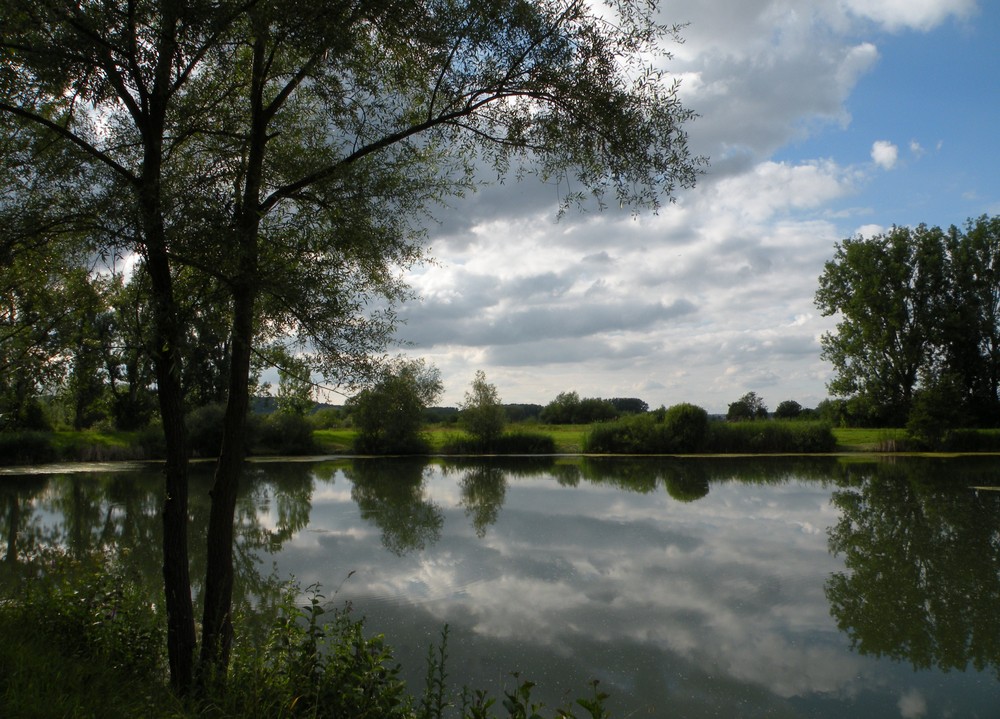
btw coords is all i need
(681, 429)
(686, 429)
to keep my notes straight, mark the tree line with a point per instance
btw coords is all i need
(917, 340)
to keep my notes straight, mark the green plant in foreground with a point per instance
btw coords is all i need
(85, 626)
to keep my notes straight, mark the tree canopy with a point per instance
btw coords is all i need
(918, 312)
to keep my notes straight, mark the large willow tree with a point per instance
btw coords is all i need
(287, 148)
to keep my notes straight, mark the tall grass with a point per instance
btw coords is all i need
(770, 437)
(511, 442)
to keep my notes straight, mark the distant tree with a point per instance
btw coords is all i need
(747, 407)
(562, 410)
(522, 412)
(481, 411)
(389, 415)
(629, 405)
(595, 409)
(569, 408)
(788, 409)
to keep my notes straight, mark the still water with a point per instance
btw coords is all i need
(773, 587)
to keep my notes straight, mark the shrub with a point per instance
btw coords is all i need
(685, 426)
(286, 434)
(680, 429)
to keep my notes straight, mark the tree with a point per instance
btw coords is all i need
(389, 415)
(788, 409)
(562, 410)
(629, 405)
(481, 411)
(970, 325)
(747, 407)
(888, 291)
(283, 149)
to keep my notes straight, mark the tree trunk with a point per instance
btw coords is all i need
(217, 625)
(176, 573)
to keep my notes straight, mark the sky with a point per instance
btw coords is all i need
(821, 120)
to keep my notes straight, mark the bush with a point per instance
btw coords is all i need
(680, 429)
(685, 426)
(286, 434)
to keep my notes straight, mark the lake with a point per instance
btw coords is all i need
(742, 587)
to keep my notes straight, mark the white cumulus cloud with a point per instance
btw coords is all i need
(885, 154)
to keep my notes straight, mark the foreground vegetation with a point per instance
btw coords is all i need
(84, 628)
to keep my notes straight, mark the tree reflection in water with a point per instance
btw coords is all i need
(923, 561)
(390, 494)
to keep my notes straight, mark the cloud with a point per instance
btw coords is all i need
(665, 305)
(897, 15)
(912, 705)
(885, 154)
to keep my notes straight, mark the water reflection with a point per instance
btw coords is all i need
(390, 495)
(923, 561)
(690, 587)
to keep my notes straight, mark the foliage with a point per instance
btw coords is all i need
(84, 628)
(295, 387)
(629, 405)
(85, 624)
(481, 413)
(918, 310)
(205, 427)
(389, 415)
(934, 411)
(569, 408)
(284, 433)
(686, 426)
(788, 409)
(747, 407)
(679, 429)
(281, 155)
(313, 667)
